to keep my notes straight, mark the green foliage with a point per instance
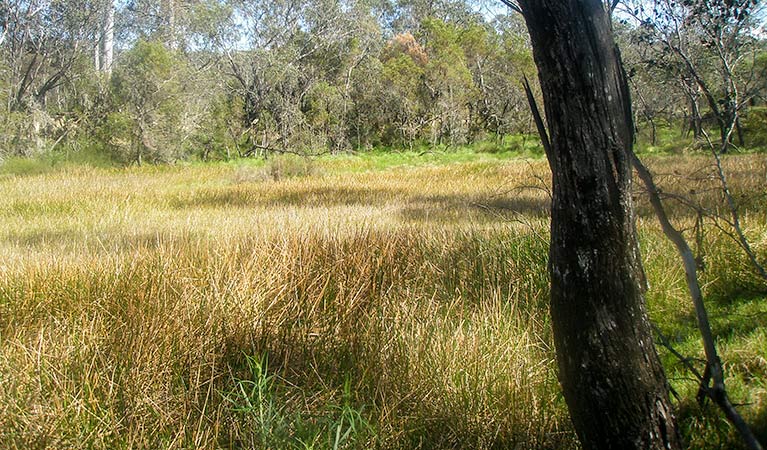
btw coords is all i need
(403, 98)
(118, 132)
(521, 144)
(148, 90)
(236, 79)
(253, 398)
(447, 59)
(221, 134)
(206, 20)
(515, 47)
(14, 134)
(754, 124)
(448, 80)
(404, 74)
(324, 110)
(260, 402)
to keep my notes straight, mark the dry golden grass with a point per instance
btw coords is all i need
(212, 307)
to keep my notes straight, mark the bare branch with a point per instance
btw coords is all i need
(733, 209)
(512, 5)
(717, 392)
(537, 117)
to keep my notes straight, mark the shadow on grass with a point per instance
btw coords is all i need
(419, 208)
(454, 208)
(312, 197)
(740, 317)
(737, 318)
(39, 238)
(106, 241)
(333, 196)
(706, 427)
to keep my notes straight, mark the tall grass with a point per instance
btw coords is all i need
(404, 307)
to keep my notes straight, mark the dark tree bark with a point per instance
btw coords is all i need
(610, 373)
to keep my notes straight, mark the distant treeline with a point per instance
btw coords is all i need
(157, 81)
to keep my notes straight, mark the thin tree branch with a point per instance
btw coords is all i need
(741, 237)
(717, 392)
(537, 117)
(664, 342)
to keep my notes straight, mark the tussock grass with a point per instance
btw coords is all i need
(401, 307)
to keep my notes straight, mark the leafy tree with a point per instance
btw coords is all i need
(148, 96)
(404, 68)
(182, 25)
(43, 45)
(324, 112)
(220, 134)
(411, 15)
(448, 81)
(499, 58)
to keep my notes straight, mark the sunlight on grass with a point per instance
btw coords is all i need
(353, 305)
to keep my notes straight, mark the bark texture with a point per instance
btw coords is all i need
(610, 373)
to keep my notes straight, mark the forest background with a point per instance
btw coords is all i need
(137, 81)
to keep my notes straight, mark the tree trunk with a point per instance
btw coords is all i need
(696, 120)
(610, 373)
(739, 130)
(108, 33)
(97, 53)
(170, 12)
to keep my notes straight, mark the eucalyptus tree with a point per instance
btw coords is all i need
(104, 37)
(661, 94)
(295, 70)
(497, 66)
(448, 81)
(712, 44)
(148, 98)
(108, 33)
(409, 15)
(42, 42)
(46, 47)
(403, 99)
(184, 25)
(612, 378)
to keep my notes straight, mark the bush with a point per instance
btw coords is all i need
(23, 133)
(754, 125)
(290, 166)
(148, 91)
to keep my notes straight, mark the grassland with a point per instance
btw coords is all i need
(357, 302)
